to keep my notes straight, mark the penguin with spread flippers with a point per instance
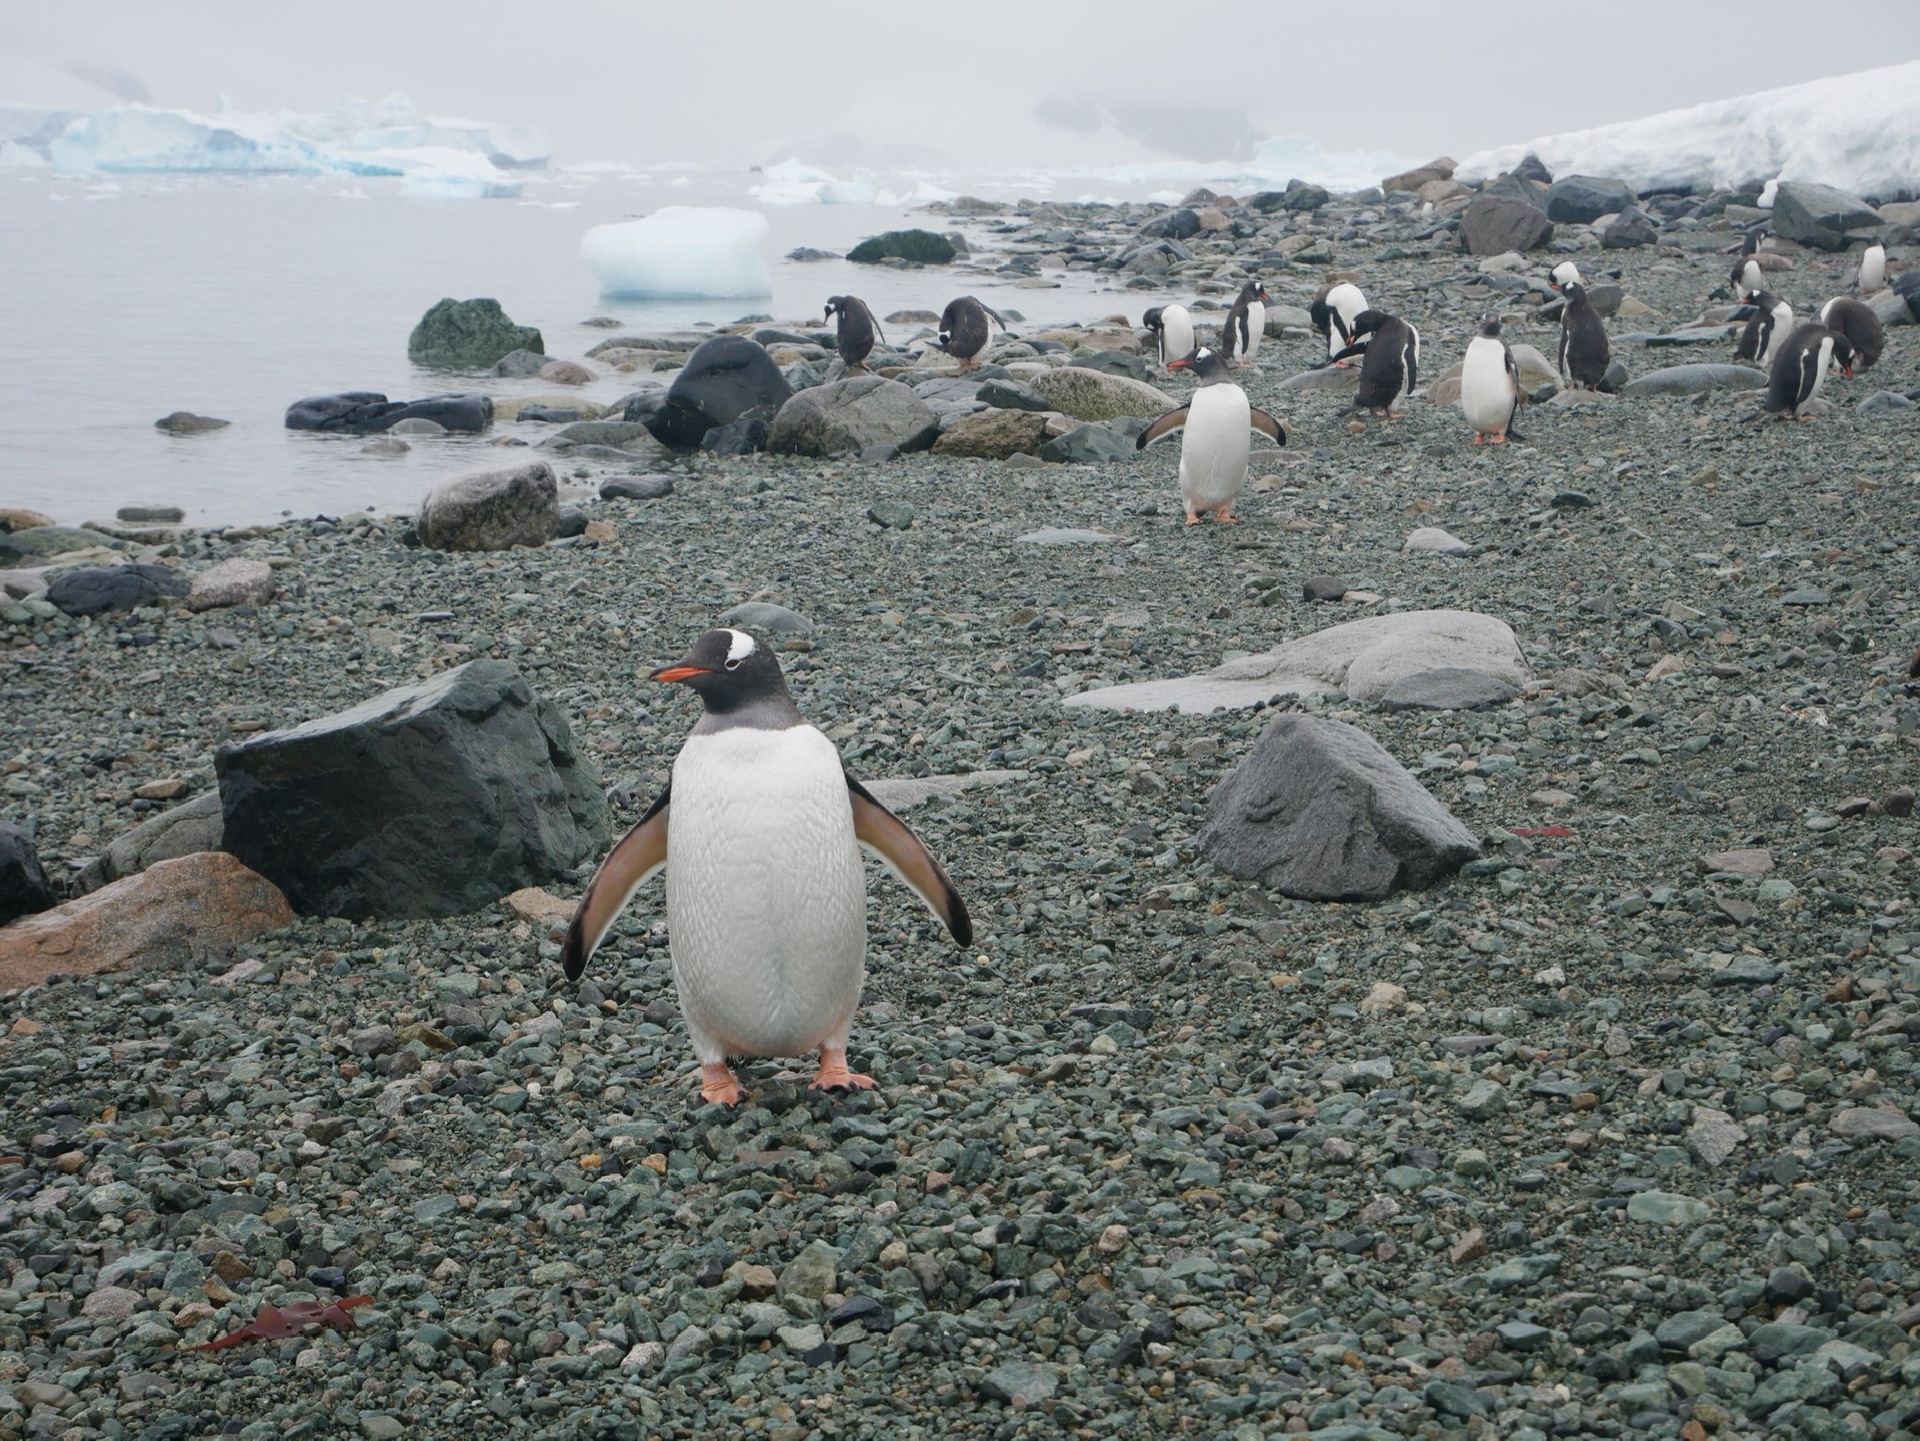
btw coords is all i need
(1490, 385)
(1215, 441)
(1389, 348)
(965, 328)
(1172, 330)
(760, 831)
(857, 330)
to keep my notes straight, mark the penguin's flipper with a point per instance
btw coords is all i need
(994, 313)
(874, 321)
(1165, 425)
(888, 838)
(1267, 425)
(641, 852)
(1359, 348)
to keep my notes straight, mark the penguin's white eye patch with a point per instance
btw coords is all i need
(742, 647)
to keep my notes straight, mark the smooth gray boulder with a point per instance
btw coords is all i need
(185, 830)
(1495, 224)
(492, 510)
(1448, 688)
(1819, 215)
(850, 415)
(1583, 199)
(1320, 811)
(433, 799)
(1695, 380)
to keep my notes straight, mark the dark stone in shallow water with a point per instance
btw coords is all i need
(101, 589)
(922, 247)
(367, 412)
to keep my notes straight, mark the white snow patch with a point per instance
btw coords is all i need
(1859, 132)
(705, 252)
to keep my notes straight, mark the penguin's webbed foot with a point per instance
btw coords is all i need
(719, 1086)
(833, 1074)
(1225, 516)
(1498, 438)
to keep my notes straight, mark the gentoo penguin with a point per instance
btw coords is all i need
(1771, 320)
(1172, 331)
(1873, 269)
(1333, 312)
(1747, 274)
(1566, 273)
(1390, 367)
(1245, 326)
(964, 331)
(1215, 442)
(1490, 385)
(857, 330)
(1860, 326)
(766, 895)
(1583, 340)
(1800, 368)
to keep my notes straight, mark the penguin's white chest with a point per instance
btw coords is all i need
(1873, 270)
(1214, 446)
(1782, 323)
(1823, 357)
(1486, 390)
(1176, 333)
(1256, 327)
(766, 891)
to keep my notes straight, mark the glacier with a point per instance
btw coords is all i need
(682, 252)
(1859, 132)
(434, 156)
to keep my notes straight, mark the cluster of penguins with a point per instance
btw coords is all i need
(766, 889)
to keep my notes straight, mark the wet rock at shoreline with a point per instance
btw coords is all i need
(725, 379)
(367, 412)
(185, 422)
(468, 335)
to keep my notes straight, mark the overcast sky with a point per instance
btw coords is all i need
(839, 82)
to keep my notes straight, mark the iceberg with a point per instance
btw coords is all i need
(683, 252)
(1859, 132)
(792, 183)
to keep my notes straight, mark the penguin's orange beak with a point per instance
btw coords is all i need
(674, 673)
(1177, 364)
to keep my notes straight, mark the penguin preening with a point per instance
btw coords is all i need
(1172, 329)
(1747, 274)
(1771, 320)
(964, 331)
(1566, 273)
(760, 831)
(856, 332)
(1215, 440)
(1800, 368)
(1333, 312)
(1861, 327)
(1245, 325)
(1490, 385)
(1390, 364)
(1584, 351)
(1873, 269)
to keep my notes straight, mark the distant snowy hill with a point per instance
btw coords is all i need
(1860, 132)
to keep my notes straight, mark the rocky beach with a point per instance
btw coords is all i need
(1604, 1126)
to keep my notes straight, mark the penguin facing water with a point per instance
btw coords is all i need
(1172, 329)
(1860, 326)
(760, 831)
(965, 330)
(1215, 440)
(1490, 385)
(1390, 364)
(1800, 365)
(1333, 312)
(1584, 351)
(1245, 325)
(1771, 320)
(856, 332)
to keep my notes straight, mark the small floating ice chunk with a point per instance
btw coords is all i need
(700, 252)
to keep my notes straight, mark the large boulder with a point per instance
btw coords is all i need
(238, 581)
(922, 247)
(1582, 199)
(726, 378)
(1363, 657)
(178, 913)
(1091, 395)
(99, 590)
(1320, 811)
(850, 415)
(1495, 224)
(994, 434)
(432, 799)
(1517, 187)
(492, 510)
(367, 412)
(24, 887)
(1629, 230)
(1819, 215)
(184, 830)
(1412, 180)
(469, 335)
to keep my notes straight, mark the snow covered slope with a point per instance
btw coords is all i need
(1860, 132)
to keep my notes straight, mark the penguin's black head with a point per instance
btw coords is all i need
(1151, 319)
(1572, 289)
(1367, 322)
(1843, 354)
(1490, 327)
(1203, 362)
(731, 670)
(836, 305)
(1254, 290)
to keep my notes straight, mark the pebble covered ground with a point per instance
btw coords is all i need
(1595, 1139)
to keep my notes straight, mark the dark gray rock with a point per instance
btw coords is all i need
(430, 800)
(1323, 587)
(1883, 400)
(185, 422)
(1302, 198)
(1532, 167)
(367, 412)
(1629, 231)
(636, 487)
(1517, 187)
(1116, 362)
(518, 364)
(546, 414)
(1447, 688)
(150, 514)
(1583, 199)
(24, 888)
(1174, 225)
(492, 510)
(922, 247)
(1090, 444)
(1320, 811)
(1819, 215)
(1012, 395)
(850, 415)
(570, 520)
(101, 589)
(728, 378)
(1495, 224)
(468, 335)
(185, 830)
(746, 436)
(36, 544)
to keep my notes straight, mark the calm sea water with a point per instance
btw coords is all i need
(123, 300)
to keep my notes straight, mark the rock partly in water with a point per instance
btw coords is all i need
(30, 544)
(185, 422)
(492, 510)
(725, 379)
(101, 590)
(176, 913)
(428, 800)
(922, 247)
(850, 415)
(24, 888)
(468, 335)
(519, 364)
(1319, 810)
(239, 581)
(368, 412)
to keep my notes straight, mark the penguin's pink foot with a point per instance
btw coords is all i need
(1499, 438)
(1193, 517)
(833, 1074)
(1479, 439)
(719, 1086)
(1226, 516)
(1342, 365)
